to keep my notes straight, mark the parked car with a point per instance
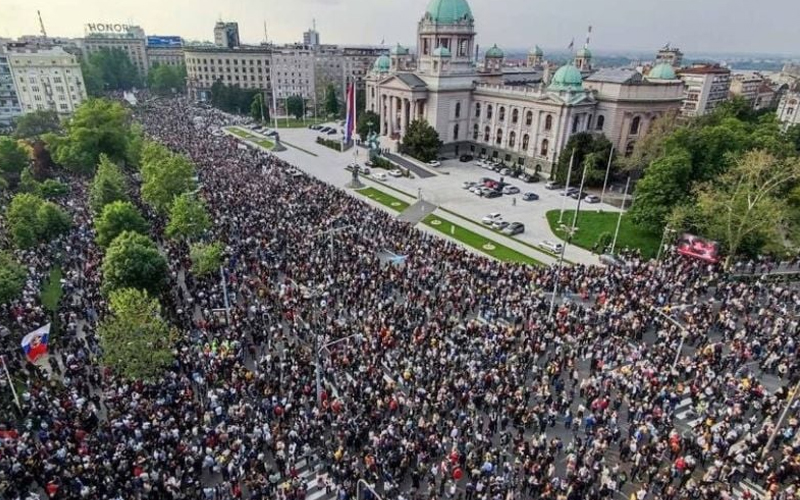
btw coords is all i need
(505, 171)
(396, 172)
(468, 185)
(465, 158)
(592, 198)
(492, 193)
(379, 176)
(364, 171)
(569, 191)
(576, 195)
(611, 260)
(476, 190)
(324, 129)
(490, 218)
(551, 246)
(369, 163)
(530, 196)
(332, 131)
(500, 224)
(510, 190)
(514, 228)
(272, 133)
(551, 185)
(434, 163)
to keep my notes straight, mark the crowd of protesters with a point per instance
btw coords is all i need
(452, 378)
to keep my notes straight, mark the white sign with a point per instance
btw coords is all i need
(107, 28)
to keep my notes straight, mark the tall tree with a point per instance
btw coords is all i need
(744, 202)
(116, 69)
(36, 123)
(133, 261)
(13, 158)
(32, 220)
(164, 79)
(165, 180)
(590, 151)
(108, 185)
(116, 218)
(296, 106)
(136, 341)
(12, 278)
(98, 126)
(653, 144)
(367, 121)
(188, 218)
(133, 152)
(92, 79)
(206, 258)
(331, 101)
(665, 184)
(421, 141)
(259, 111)
(42, 166)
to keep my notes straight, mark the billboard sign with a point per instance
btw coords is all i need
(164, 41)
(698, 248)
(116, 28)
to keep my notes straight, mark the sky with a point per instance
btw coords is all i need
(696, 26)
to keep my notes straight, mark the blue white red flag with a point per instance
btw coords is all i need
(34, 344)
(350, 123)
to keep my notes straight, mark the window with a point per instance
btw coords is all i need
(515, 116)
(790, 112)
(489, 112)
(575, 122)
(477, 110)
(629, 149)
(601, 120)
(525, 142)
(512, 139)
(455, 132)
(501, 113)
(635, 125)
(545, 147)
(63, 107)
(475, 132)
(548, 122)
(486, 133)
(499, 137)
(529, 118)
(458, 110)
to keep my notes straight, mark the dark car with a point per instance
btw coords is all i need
(575, 195)
(332, 132)
(514, 228)
(493, 193)
(530, 196)
(569, 191)
(465, 158)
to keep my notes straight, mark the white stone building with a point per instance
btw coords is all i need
(245, 66)
(789, 108)
(46, 79)
(131, 40)
(707, 86)
(518, 117)
(9, 101)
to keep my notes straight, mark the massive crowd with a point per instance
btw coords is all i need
(454, 380)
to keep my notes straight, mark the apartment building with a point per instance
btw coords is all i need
(46, 79)
(707, 86)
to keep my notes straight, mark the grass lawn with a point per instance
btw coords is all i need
(384, 199)
(592, 224)
(51, 291)
(478, 242)
(295, 123)
(244, 134)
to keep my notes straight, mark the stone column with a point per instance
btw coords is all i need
(382, 114)
(404, 116)
(414, 110)
(391, 115)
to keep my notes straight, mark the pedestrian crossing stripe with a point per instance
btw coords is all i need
(315, 489)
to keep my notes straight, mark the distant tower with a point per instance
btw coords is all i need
(226, 34)
(493, 60)
(669, 55)
(535, 57)
(583, 58)
(311, 37)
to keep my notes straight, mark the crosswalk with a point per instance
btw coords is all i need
(685, 415)
(315, 483)
(747, 490)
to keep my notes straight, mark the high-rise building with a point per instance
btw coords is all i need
(707, 86)
(670, 55)
(336, 65)
(131, 39)
(226, 34)
(746, 86)
(165, 50)
(247, 67)
(46, 79)
(311, 37)
(293, 74)
(789, 108)
(9, 101)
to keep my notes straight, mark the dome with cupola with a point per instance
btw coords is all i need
(663, 71)
(495, 51)
(399, 50)
(536, 51)
(449, 11)
(567, 78)
(382, 64)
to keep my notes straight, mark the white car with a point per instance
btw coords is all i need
(396, 173)
(479, 163)
(510, 190)
(467, 185)
(434, 163)
(379, 176)
(491, 218)
(551, 246)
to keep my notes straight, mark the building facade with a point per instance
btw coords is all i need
(789, 108)
(336, 65)
(131, 40)
(670, 55)
(165, 50)
(293, 72)
(246, 66)
(707, 86)
(9, 101)
(226, 34)
(311, 37)
(46, 79)
(518, 117)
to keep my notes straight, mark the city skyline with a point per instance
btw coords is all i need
(551, 26)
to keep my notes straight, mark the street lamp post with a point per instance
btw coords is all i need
(608, 170)
(684, 334)
(663, 240)
(621, 212)
(570, 233)
(780, 421)
(569, 176)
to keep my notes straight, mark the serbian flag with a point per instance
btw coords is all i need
(35, 343)
(350, 121)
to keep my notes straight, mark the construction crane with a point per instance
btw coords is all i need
(41, 24)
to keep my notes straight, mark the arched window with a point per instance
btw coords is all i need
(548, 122)
(373, 91)
(458, 110)
(529, 118)
(477, 110)
(635, 125)
(475, 132)
(525, 142)
(486, 133)
(515, 116)
(502, 113)
(455, 132)
(512, 139)
(488, 111)
(601, 120)
(499, 138)
(545, 147)
(575, 122)
(629, 148)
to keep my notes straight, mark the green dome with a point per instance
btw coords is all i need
(663, 71)
(567, 78)
(536, 51)
(449, 11)
(441, 52)
(382, 64)
(495, 51)
(585, 53)
(399, 50)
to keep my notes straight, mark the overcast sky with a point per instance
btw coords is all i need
(693, 25)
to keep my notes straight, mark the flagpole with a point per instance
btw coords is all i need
(11, 384)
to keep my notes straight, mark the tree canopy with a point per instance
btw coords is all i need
(421, 141)
(32, 220)
(36, 123)
(259, 111)
(331, 100)
(115, 69)
(13, 158)
(165, 178)
(592, 152)
(164, 79)
(232, 98)
(296, 106)
(368, 120)
(206, 258)
(133, 261)
(108, 185)
(116, 218)
(12, 278)
(188, 218)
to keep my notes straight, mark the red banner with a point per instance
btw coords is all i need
(699, 248)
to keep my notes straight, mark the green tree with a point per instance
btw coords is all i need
(108, 185)
(164, 79)
(296, 106)
(331, 101)
(153, 153)
(36, 123)
(92, 79)
(98, 126)
(136, 341)
(165, 180)
(31, 220)
(13, 158)
(12, 278)
(51, 221)
(258, 110)
(27, 183)
(653, 145)
(132, 260)
(367, 121)
(136, 141)
(421, 141)
(590, 151)
(792, 136)
(744, 203)
(206, 258)
(52, 188)
(115, 68)
(116, 218)
(665, 184)
(188, 218)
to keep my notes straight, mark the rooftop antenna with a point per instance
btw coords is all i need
(314, 24)
(588, 37)
(41, 24)
(266, 39)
